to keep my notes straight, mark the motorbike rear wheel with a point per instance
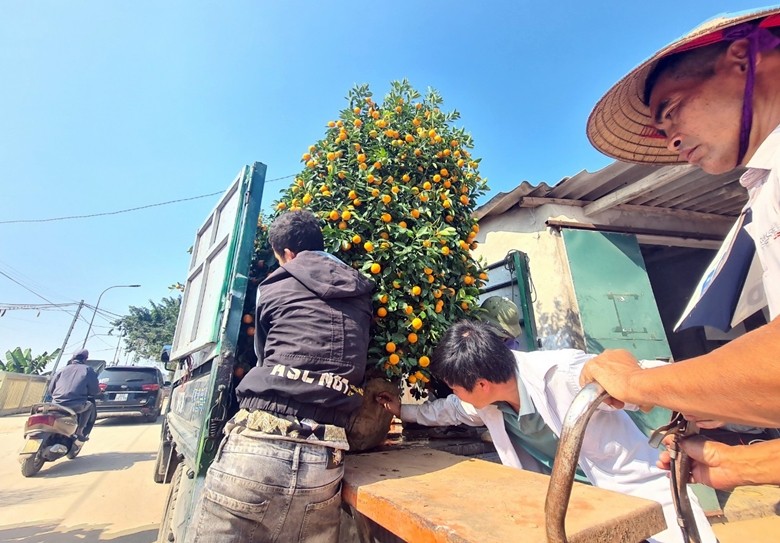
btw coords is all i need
(32, 464)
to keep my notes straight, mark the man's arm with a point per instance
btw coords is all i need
(447, 411)
(53, 383)
(93, 387)
(738, 382)
(724, 467)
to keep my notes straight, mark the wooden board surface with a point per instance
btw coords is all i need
(425, 496)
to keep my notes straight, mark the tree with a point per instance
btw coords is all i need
(147, 329)
(18, 361)
(395, 185)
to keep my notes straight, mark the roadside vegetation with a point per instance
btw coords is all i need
(22, 361)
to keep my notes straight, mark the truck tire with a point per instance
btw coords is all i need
(167, 457)
(165, 535)
(32, 464)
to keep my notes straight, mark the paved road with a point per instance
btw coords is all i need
(105, 494)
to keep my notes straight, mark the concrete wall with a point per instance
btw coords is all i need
(18, 392)
(555, 306)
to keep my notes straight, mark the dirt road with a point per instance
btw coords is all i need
(106, 494)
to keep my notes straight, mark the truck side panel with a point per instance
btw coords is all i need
(207, 336)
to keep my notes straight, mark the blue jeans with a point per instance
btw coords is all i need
(269, 490)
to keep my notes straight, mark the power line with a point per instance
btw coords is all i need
(33, 307)
(103, 214)
(39, 295)
(26, 288)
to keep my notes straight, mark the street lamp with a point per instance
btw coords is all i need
(98, 304)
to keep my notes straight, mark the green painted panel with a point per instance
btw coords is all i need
(616, 302)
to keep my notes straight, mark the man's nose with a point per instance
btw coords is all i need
(674, 144)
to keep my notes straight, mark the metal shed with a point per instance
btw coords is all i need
(613, 255)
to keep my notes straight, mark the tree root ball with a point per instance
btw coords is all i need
(370, 424)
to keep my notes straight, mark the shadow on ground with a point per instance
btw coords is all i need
(91, 463)
(13, 497)
(53, 533)
(123, 421)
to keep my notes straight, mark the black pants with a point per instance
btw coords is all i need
(86, 416)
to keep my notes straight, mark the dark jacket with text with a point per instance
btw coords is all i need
(312, 322)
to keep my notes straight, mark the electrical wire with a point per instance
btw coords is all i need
(71, 313)
(33, 307)
(118, 212)
(26, 288)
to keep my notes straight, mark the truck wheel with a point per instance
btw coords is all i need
(166, 463)
(32, 464)
(165, 535)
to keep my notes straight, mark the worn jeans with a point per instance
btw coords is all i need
(269, 490)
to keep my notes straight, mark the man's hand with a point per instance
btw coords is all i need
(707, 424)
(613, 370)
(390, 402)
(713, 464)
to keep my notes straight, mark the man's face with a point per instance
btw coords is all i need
(479, 396)
(700, 118)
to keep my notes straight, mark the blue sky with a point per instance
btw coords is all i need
(106, 106)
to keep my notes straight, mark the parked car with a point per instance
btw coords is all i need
(131, 391)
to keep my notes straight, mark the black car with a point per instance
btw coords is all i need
(130, 391)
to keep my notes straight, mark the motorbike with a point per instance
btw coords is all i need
(50, 434)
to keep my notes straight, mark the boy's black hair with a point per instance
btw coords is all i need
(298, 231)
(471, 350)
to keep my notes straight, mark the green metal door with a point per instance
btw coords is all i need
(618, 311)
(616, 302)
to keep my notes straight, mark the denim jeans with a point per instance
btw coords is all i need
(269, 490)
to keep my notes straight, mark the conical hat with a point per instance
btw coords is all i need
(620, 125)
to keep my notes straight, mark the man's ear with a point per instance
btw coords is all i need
(288, 255)
(483, 385)
(736, 56)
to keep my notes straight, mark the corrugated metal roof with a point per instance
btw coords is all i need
(682, 189)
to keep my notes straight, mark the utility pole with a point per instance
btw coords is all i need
(115, 361)
(65, 343)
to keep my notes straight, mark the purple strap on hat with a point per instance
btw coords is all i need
(759, 39)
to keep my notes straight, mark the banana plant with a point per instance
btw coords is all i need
(18, 361)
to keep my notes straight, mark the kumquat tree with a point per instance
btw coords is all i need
(395, 185)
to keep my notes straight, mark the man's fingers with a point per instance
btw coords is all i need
(664, 460)
(617, 404)
(585, 376)
(695, 447)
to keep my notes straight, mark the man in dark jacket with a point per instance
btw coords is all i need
(75, 387)
(277, 475)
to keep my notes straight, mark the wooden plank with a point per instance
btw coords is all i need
(427, 496)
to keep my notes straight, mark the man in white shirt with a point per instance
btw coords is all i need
(522, 398)
(711, 98)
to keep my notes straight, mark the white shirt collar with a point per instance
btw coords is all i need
(762, 159)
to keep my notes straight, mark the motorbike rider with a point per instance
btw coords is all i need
(74, 387)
